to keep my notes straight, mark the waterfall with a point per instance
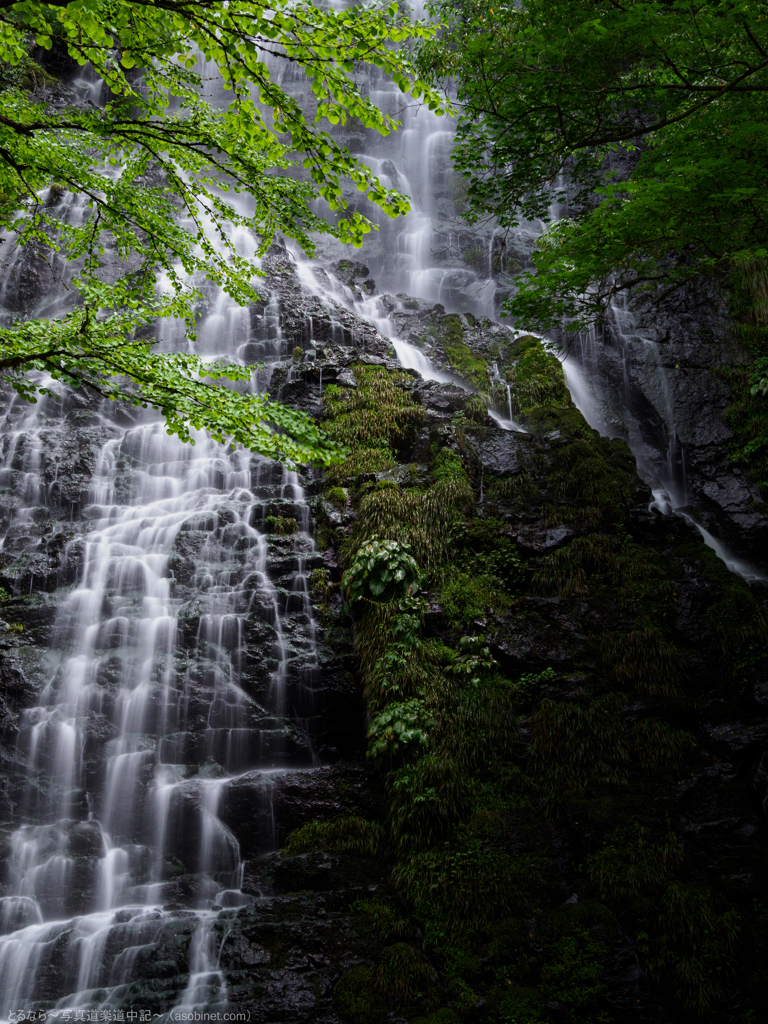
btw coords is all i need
(184, 650)
(145, 713)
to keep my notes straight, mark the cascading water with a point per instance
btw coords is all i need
(143, 719)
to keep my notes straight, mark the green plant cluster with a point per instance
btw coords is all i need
(468, 365)
(375, 419)
(352, 834)
(484, 744)
(283, 526)
(381, 570)
(535, 376)
(398, 729)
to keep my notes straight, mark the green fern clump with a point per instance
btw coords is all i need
(634, 862)
(520, 487)
(605, 563)
(475, 409)
(379, 412)
(396, 662)
(355, 997)
(403, 977)
(577, 744)
(576, 940)
(283, 526)
(426, 799)
(659, 746)
(694, 939)
(373, 420)
(363, 462)
(470, 883)
(642, 659)
(423, 519)
(469, 596)
(352, 834)
(479, 728)
(384, 918)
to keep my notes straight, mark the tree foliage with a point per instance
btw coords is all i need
(651, 112)
(165, 174)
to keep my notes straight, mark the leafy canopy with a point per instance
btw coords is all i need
(653, 112)
(165, 175)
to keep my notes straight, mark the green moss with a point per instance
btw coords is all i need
(402, 976)
(468, 596)
(355, 998)
(535, 376)
(337, 496)
(447, 465)
(470, 367)
(354, 834)
(546, 419)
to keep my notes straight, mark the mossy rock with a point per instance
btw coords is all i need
(535, 375)
(467, 364)
(546, 419)
(337, 497)
(355, 998)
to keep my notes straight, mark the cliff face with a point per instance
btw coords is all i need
(568, 710)
(663, 380)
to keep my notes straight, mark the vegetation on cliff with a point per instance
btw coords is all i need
(533, 709)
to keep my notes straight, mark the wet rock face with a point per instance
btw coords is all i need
(658, 387)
